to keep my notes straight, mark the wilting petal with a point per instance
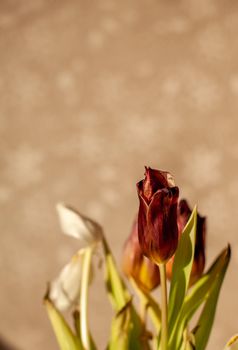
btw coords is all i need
(64, 291)
(76, 225)
(148, 277)
(157, 225)
(144, 234)
(154, 180)
(162, 217)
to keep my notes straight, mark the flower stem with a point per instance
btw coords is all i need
(84, 298)
(164, 307)
(152, 309)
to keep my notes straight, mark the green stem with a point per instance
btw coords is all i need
(164, 307)
(142, 298)
(152, 308)
(84, 298)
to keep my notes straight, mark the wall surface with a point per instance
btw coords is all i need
(90, 92)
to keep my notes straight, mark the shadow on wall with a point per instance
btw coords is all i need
(5, 346)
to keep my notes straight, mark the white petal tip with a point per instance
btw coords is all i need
(76, 225)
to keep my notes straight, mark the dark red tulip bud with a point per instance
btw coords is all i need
(157, 218)
(184, 213)
(135, 265)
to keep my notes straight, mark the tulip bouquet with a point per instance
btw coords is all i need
(166, 248)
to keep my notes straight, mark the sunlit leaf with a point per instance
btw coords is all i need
(197, 295)
(207, 316)
(120, 329)
(120, 297)
(115, 286)
(182, 267)
(188, 341)
(67, 340)
(139, 337)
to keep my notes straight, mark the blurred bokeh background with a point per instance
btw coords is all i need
(90, 92)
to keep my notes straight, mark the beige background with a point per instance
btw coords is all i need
(90, 92)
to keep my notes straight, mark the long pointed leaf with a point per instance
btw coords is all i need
(120, 330)
(116, 288)
(182, 267)
(198, 293)
(119, 297)
(207, 316)
(65, 337)
(139, 337)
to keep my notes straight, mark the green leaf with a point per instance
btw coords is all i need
(182, 267)
(64, 335)
(120, 297)
(116, 288)
(207, 316)
(188, 341)
(197, 295)
(121, 328)
(139, 337)
(126, 333)
(232, 343)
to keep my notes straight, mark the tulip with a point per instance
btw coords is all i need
(184, 213)
(71, 287)
(135, 265)
(157, 218)
(65, 289)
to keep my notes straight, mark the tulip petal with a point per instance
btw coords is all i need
(157, 218)
(76, 225)
(144, 235)
(135, 265)
(154, 180)
(162, 224)
(64, 290)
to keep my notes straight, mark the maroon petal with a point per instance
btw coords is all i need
(143, 233)
(162, 219)
(135, 265)
(154, 181)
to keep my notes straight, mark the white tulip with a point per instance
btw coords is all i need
(64, 290)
